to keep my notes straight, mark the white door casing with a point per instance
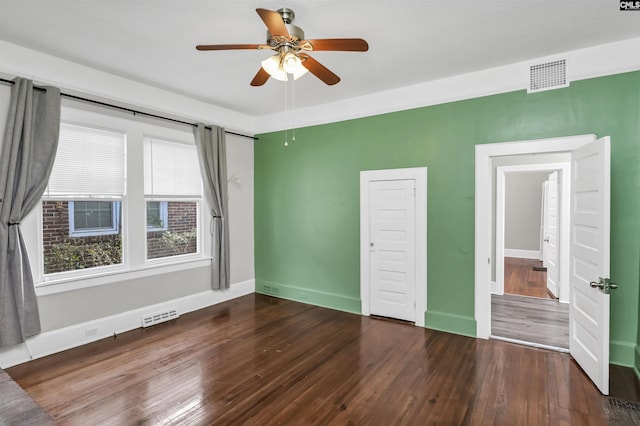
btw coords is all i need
(551, 239)
(392, 248)
(590, 222)
(389, 255)
(483, 218)
(545, 221)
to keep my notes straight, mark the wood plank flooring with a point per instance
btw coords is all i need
(520, 278)
(258, 360)
(526, 311)
(542, 321)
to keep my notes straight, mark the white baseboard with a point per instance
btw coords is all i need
(53, 341)
(523, 254)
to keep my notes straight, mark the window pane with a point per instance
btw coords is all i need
(90, 215)
(156, 215)
(180, 234)
(92, 239)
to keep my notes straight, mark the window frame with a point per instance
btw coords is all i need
(116, 212)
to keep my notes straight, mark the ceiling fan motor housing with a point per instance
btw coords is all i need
(287, 14)
(295, 32)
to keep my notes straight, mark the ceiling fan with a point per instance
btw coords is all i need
(288, 41)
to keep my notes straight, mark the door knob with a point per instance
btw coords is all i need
(594, 284)
(604, 284)
(546, 240)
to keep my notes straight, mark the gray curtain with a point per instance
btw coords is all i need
(28, 150)
(212, 154)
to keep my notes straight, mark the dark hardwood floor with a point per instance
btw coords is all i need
(521, 279)
(260, 360)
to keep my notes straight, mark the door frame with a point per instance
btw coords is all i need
(563, 223)
(419, 175)
(483, 225)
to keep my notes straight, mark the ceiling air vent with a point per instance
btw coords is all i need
(547, 76)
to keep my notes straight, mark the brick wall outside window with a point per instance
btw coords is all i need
(180, 237)
(63, 252)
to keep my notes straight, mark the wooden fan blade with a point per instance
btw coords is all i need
(261, 78)
(337, 44)
(319, 70)
(274, 22)
(230, 46)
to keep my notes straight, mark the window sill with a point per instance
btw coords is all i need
(62, 285)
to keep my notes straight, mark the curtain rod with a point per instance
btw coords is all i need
(133, 111)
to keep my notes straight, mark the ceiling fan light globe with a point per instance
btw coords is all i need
(290, 62)
(293, 65)
(299, 72)
(273, 67)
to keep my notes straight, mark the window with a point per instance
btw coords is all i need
(118, 200)
(157, 213)
(171, 173)
(88, 218)
(81, 207)
(179, 237)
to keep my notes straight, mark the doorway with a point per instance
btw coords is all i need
(531, 231)
(588, 248)
(393, 243)
(520, 230)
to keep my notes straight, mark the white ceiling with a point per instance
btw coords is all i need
(411, 41)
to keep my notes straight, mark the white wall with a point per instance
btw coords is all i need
(114, 303)
(240, 165)
(523, 204)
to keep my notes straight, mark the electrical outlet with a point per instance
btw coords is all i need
(91, 331)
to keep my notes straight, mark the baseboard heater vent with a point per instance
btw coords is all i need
(153, 319)
(547, 76)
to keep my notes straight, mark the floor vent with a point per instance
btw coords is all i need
(153, 319)
(547, 76)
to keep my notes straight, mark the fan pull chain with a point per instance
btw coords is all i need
(286, 129)
(293, 109)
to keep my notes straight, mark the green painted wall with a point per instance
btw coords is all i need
(307, 195)
(636, 364)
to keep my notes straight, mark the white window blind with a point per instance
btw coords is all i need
(171, 169)
(88, 161)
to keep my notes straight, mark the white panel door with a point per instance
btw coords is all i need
(551, 237)
(392, 248)
(589, 254)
